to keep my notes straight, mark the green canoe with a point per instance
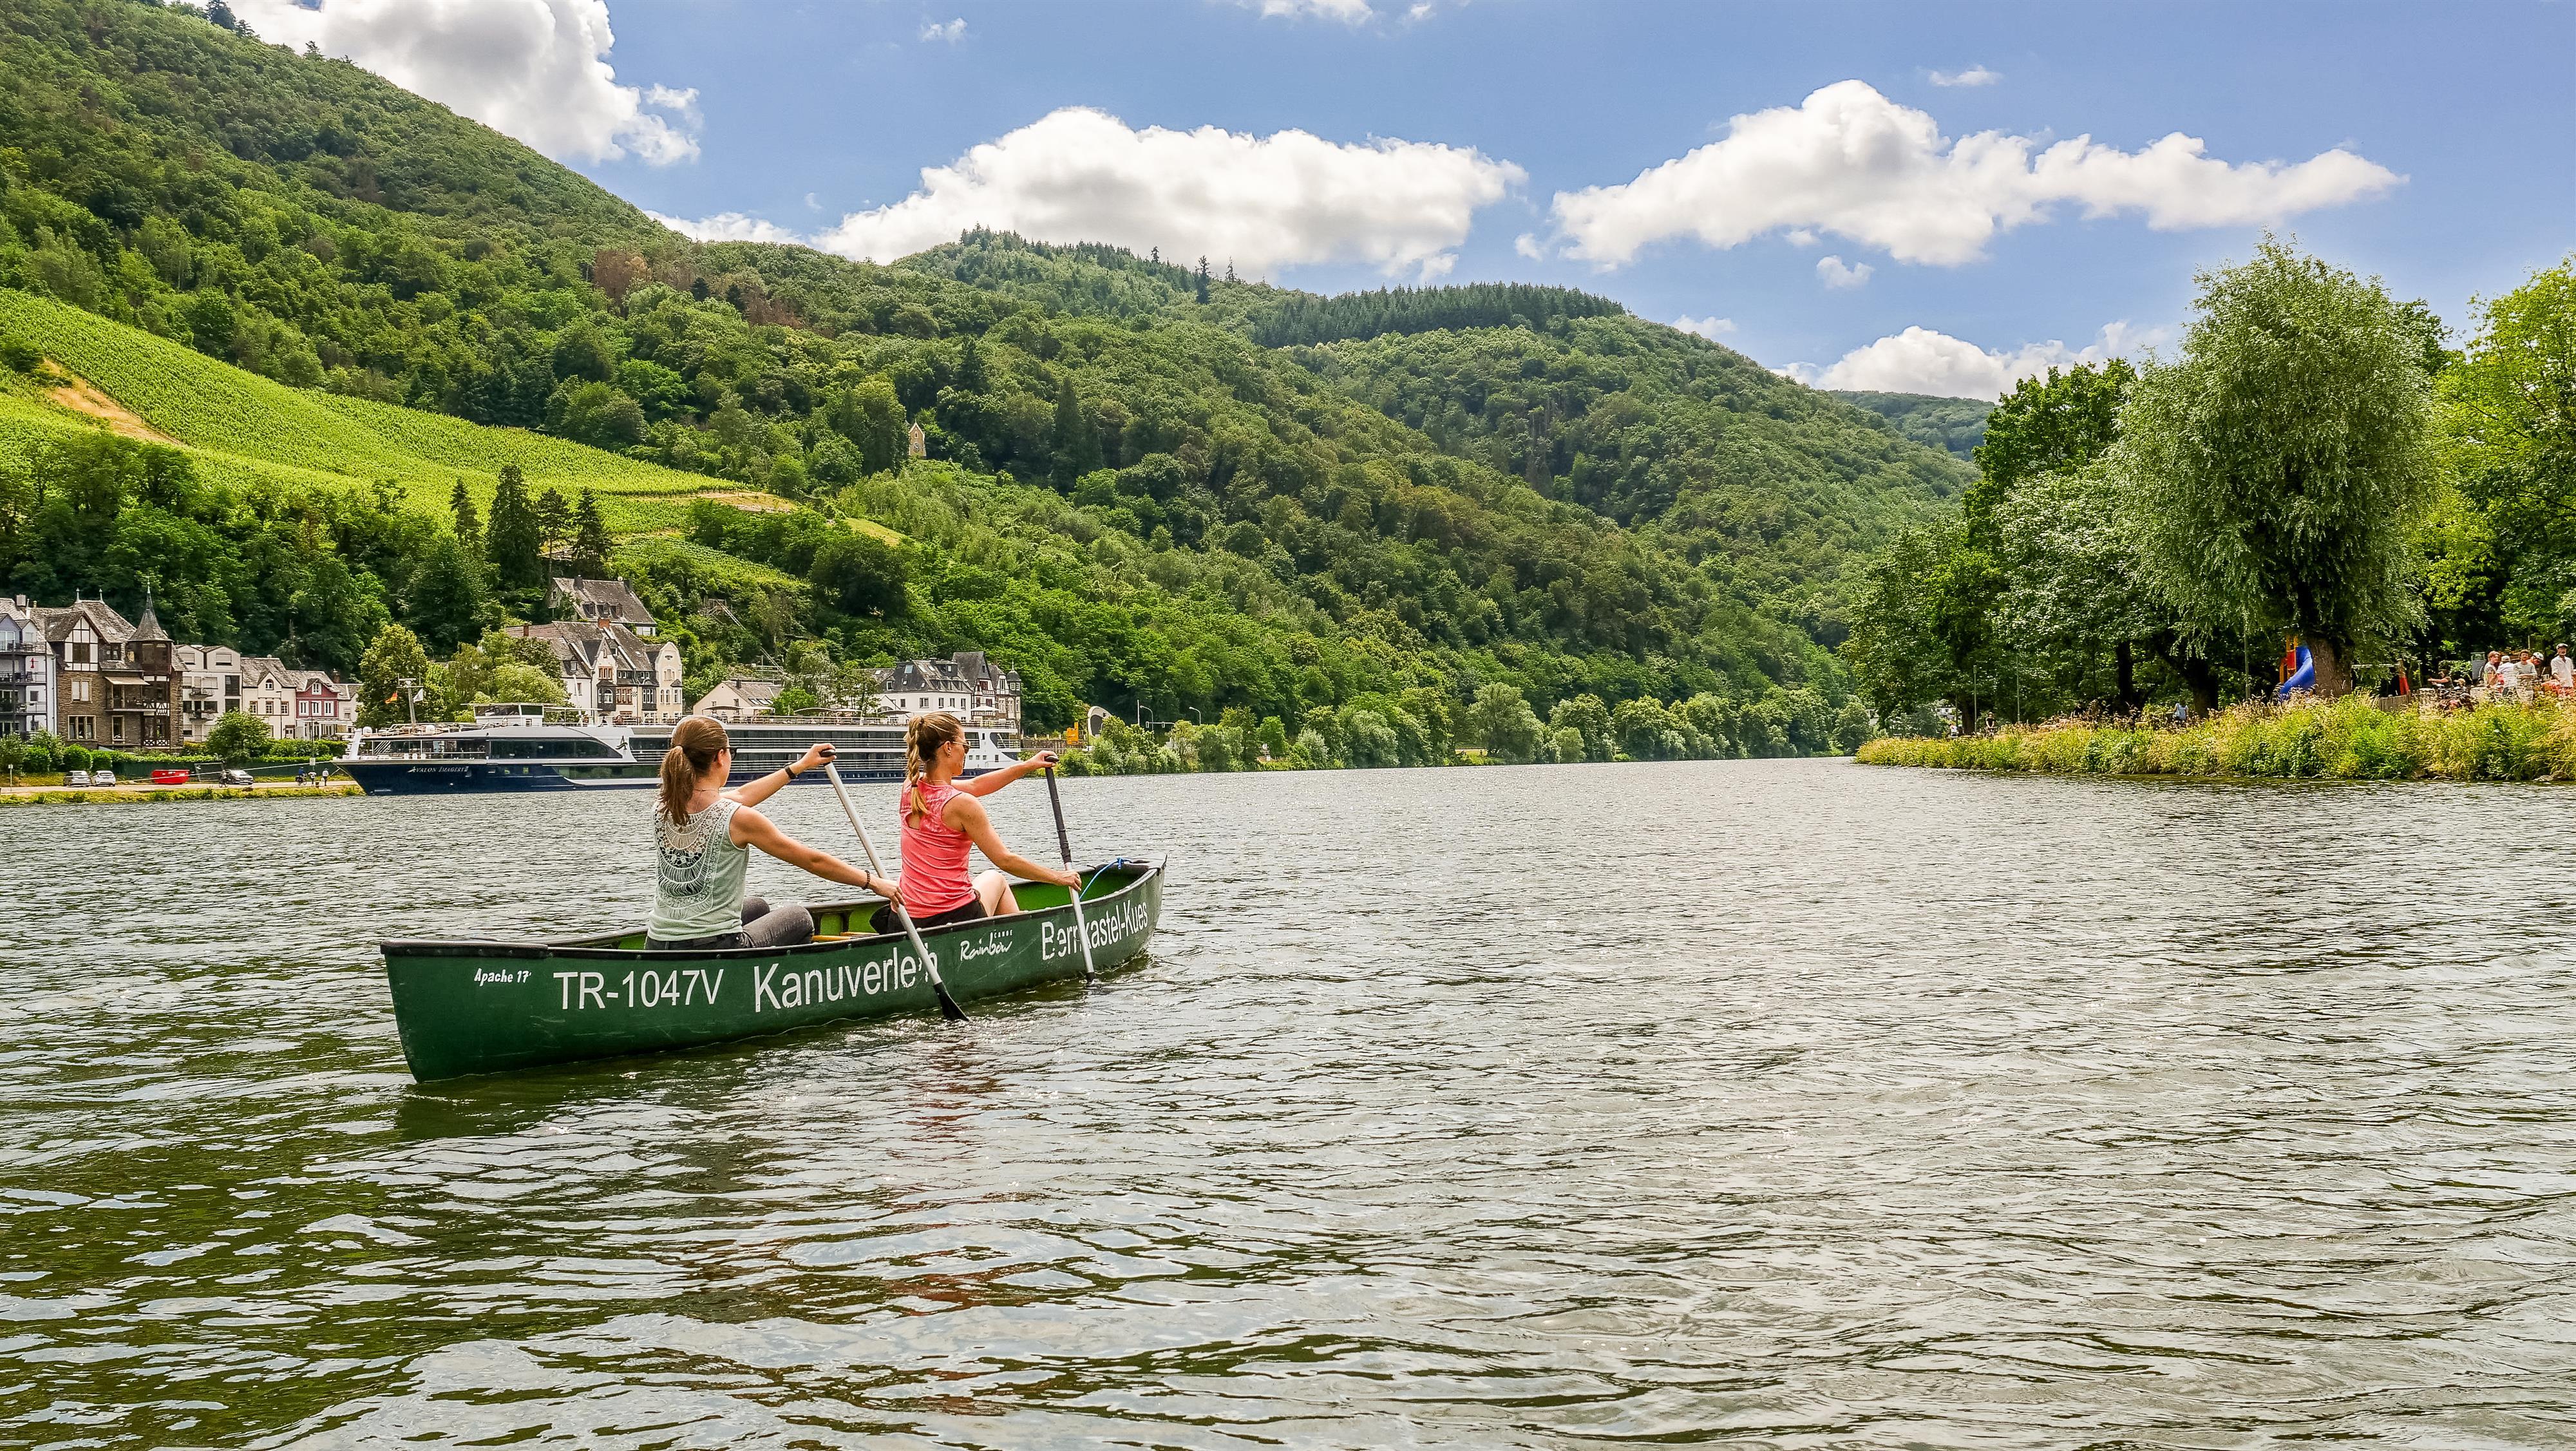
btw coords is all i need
(484, 1007)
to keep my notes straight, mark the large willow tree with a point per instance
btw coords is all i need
(2277, 468)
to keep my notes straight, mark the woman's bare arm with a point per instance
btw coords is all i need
(966, 814)
(750, 828)
(992, 781)
(761, 788)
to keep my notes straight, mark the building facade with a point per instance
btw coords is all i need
(26, 670)
(116, 683)
(325, 708)
(210, 683)
(965, 685)
(611, 674)
(738, 698)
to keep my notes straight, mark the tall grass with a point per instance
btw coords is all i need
(2349, 739)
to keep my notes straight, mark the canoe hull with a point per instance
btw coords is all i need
(489, 1007)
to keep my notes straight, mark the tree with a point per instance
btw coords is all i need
(554, 521)
(513, 541)
(2063, 422)
(448, 602)
(590, 542)
(395, 656)
(469, 527)
(858, 574)
(334, 615)
(1076, 442)
(1501, 718)
(238, 736)
(2280, 466)
(1589, 719)
(1367, 740)
(2509, 413)
(1201, 289)
(870, 415)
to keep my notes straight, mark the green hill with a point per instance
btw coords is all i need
(1953, 425)
(1140, 499)
(1771, 487)
(243, 427)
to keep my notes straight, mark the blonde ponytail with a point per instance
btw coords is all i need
(922, 742)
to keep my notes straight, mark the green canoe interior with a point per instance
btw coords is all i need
(837, 925)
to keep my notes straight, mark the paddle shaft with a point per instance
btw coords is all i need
(1064, 845)
(947, 1005)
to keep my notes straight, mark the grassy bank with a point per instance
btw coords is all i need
(2350, 739)
(118, 795)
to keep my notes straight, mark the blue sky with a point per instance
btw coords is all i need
(2427, 144)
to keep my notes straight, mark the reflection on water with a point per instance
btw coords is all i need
(1786, 1103)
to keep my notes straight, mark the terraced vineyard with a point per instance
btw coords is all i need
(242, 426)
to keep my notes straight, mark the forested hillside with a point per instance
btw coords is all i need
(1141, 503)
(1771, 487)
(1953, 425)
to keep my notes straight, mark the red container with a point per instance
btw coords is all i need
(171, 776)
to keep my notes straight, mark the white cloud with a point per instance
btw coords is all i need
(1832, 272)
(534, 69)
(1849, 161)
(1975, 75)
(951, 31)
(1919, 360)
(1349, 12)
(727, 227)
(1080, 175)
(1527, 245)
(1711, 328)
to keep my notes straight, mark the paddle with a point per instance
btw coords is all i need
(1064, 846)
(947, 1005)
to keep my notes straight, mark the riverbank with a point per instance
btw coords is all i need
(206, 791)
(2351, 739)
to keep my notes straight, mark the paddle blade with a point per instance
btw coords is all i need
(947, 1005)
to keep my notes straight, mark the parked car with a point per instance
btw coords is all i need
(76, 778)
(232, 777)
(172, 775)
(102, 778)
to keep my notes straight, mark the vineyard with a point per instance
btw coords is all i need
(243, 427)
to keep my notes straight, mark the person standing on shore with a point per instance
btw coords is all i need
(2562, 672)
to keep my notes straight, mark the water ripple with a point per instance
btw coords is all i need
(1785, 1104)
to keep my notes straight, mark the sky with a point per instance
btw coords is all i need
(1901, 197)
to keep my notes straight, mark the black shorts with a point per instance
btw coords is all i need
(974, 908)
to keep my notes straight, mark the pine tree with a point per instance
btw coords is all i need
(970, 369)
(589, 536)
(1077, 443)
(511, 541)
(1229, 269)
(469, 528)
(554, 521)
(1203, 279)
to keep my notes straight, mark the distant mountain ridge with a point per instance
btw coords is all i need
(1953, 425)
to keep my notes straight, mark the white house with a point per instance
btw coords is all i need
(26, 670)
(611, 674)
(965, 685)
(737, 698)
(210, 683)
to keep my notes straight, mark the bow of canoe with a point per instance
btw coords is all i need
(472, 1006)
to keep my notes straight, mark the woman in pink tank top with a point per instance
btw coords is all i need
(942, 817)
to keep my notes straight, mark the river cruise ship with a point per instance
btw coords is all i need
(545, 748)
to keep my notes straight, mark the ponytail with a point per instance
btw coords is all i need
(692, 754)
(922, 742)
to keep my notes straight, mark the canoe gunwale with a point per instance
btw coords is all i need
(416, 947)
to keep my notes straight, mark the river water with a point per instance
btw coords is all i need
(1776, 1103)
